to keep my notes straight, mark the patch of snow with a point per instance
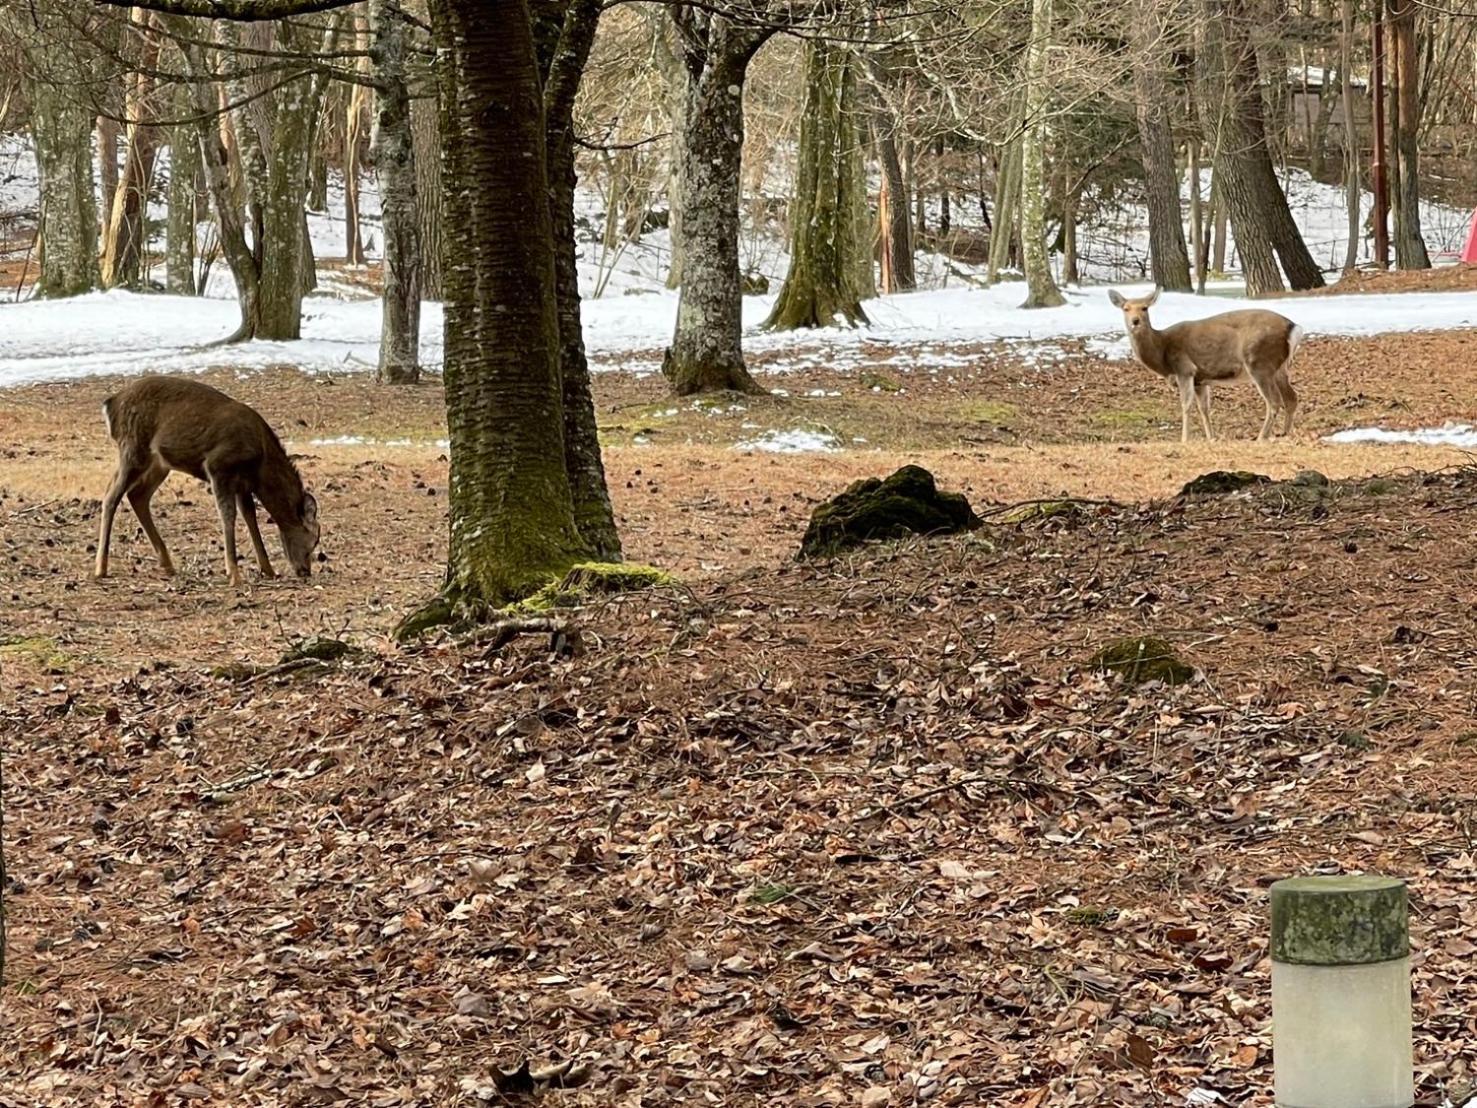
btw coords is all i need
(791, 442)
(1461, 435)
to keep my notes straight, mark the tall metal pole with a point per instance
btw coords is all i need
(1377, 163)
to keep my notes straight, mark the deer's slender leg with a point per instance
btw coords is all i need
(225, 502)
(1187, 401)
(123, 480)
(138, 498)
(1289, 399)
(1270, 396)
(1202, 406)
(248, 513)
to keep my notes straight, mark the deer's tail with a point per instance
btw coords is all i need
(108, 412)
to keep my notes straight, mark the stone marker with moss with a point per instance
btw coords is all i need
(1341, 993)
(906, 503)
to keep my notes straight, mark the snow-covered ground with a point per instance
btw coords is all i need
(628, 313)
(121, 332)
(1460, 435)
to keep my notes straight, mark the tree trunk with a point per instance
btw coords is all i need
(353, 134)
(62, 130)
(184, 172)
(1248, 185)
(1007, 191)
(1041, 290)
(825, 239)
(565, 32)
(426, 127)
(1220, 220)
(217, 161)
(512, 516)
(1197, 217)
(108, 132)
(1168, 257)
(126, 233)
(283, 203)
(706, 354)
(669, 63)
(394, 165)
(1071, 195)
(894, 222)
(1351, 139)
(1410, 248)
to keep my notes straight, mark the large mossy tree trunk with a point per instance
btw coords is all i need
(825, 237)
(707, 354)
(1405, 123)
(512, 515)
(1245, 179)
(1168, 257)
(565, 33)
(394, 166)
(1041, 290)
(284, 199)
(61, 127)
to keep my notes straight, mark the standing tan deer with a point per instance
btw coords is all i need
(166, 423)
(1198, 353)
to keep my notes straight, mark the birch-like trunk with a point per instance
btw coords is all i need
(1041, 290)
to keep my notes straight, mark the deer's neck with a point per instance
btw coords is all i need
(1149, 347)
(280, 489)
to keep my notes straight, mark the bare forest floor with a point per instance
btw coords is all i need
(787, 834)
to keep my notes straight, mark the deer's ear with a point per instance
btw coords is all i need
(1152, 298)
(1116, 297)
(310, 508)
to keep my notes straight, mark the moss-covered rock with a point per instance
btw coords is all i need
(1221, 481)
(906, 503)
(1142, 658)
(1309, 479)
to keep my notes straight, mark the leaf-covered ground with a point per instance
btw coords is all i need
(858, 832)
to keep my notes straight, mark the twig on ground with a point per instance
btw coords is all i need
(497, 635)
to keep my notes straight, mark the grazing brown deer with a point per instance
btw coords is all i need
(168, 423)
(1251, 343)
